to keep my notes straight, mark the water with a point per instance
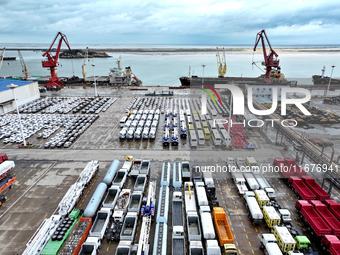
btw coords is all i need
(164, 68)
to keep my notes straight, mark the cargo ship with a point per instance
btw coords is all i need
(322, 79)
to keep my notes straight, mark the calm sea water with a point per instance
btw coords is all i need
(159, 68)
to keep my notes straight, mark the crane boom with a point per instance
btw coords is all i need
(52, 62)
(221, 64)
(24, 66)
(271, 60)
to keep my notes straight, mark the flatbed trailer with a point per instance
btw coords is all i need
(319, 192)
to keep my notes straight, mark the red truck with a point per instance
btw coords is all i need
(3, 157)
(77, 237)
(295, 168)
(300, 187)
(334, 207)
(331, 244)
(327, 216)
(313, 218)
(320, 193)
(281, 164)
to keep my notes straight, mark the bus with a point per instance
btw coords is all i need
(193, 138)
(271, 217)
(122, 121)
(284, 239)
(261, 198)
(207, 134)
(201, 140)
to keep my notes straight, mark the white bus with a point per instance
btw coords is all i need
(193, 138)
(201, 140)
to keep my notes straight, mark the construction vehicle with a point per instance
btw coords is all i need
(178, 247)
(43, 234)
(77, 237)
(196, 248)
(140, 183)
(271, 61)
(111, 197)
(52, 62)
(135, 202)
(25, 72)
(261, 198)
(302, 243)
(212, 248)
(222, 227)
(193, 225)
(5, 168)
(123, 248)
(123, 200)
(331, 244)
(334, 207)
(6, 184)
(144, 167)
(3, 157)
(221, 63)
(129, 227)
(120, 178)
(284, 239)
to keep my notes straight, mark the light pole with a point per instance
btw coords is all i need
(12, 87)
(329, 83)
(94, 81)
(204, 97)
(203, 75)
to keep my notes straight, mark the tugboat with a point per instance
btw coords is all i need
(120, 77)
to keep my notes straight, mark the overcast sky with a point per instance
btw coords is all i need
(170, 21)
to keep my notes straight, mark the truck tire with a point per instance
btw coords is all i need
(64, 229)
(54, 237)
(60, 237)
(68, 225)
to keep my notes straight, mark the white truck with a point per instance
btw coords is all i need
(128, 163)
(190, 203)
(196, 248)
(101, 222)
(269, 245)
(129, 226)
(201, 195)
(255, 212)
(186, 171)
(140, 182)
(144, 167)
(212, 247)
(90, 246)
(135, 167)
(193, 226)
(123, 248)
(240, 182)
(111, 197)
(207, 226)
(120, 178)
(135, 202)
(285, 216)
(178, 247)
(251, 181)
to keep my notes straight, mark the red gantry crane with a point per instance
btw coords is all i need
(271, 60)
(52, 62)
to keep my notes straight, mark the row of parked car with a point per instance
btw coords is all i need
(72, 130)
(140, 124)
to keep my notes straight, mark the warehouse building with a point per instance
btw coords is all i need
(26, 92)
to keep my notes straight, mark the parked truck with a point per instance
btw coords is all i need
(328, 217)
(135, 202)
(269, 245)
(111, 197)
(177, 209)
(186, 171)
(178, 247)
(120, 178)
(212, 248)
(101, 222)
(90, 246)
(140, 183)
(284, 239)
(190, 203)
(334, 207)
(320, 193)
(300, 187)
(113, 233)
(194, 228)
(123, 248)
(209, 186)
(135, 168)
(222, 226)
(207, 226)
(123, 200)
(331, 244)
(314, 220)
(77, 237)
(5, 168)
(255, 212)
(240, 182)
(144, 167)
(196, 248)
(201, 196)
(251, 181)
(129, 226)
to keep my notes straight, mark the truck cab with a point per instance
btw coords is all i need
(90, 247)
(302, 243)
(285, 216)
(270, 193)
(229, 249)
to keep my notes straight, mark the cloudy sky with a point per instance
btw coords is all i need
(286, 22)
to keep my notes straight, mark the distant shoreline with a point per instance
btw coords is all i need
(169, 50)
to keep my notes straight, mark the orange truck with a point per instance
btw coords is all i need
(222, 226)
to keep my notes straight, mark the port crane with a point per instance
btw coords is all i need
(24, 66)
(271, 60)
(52, 62)
(147, 211)
(84, 66)
(2, 56)
(221, 63)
